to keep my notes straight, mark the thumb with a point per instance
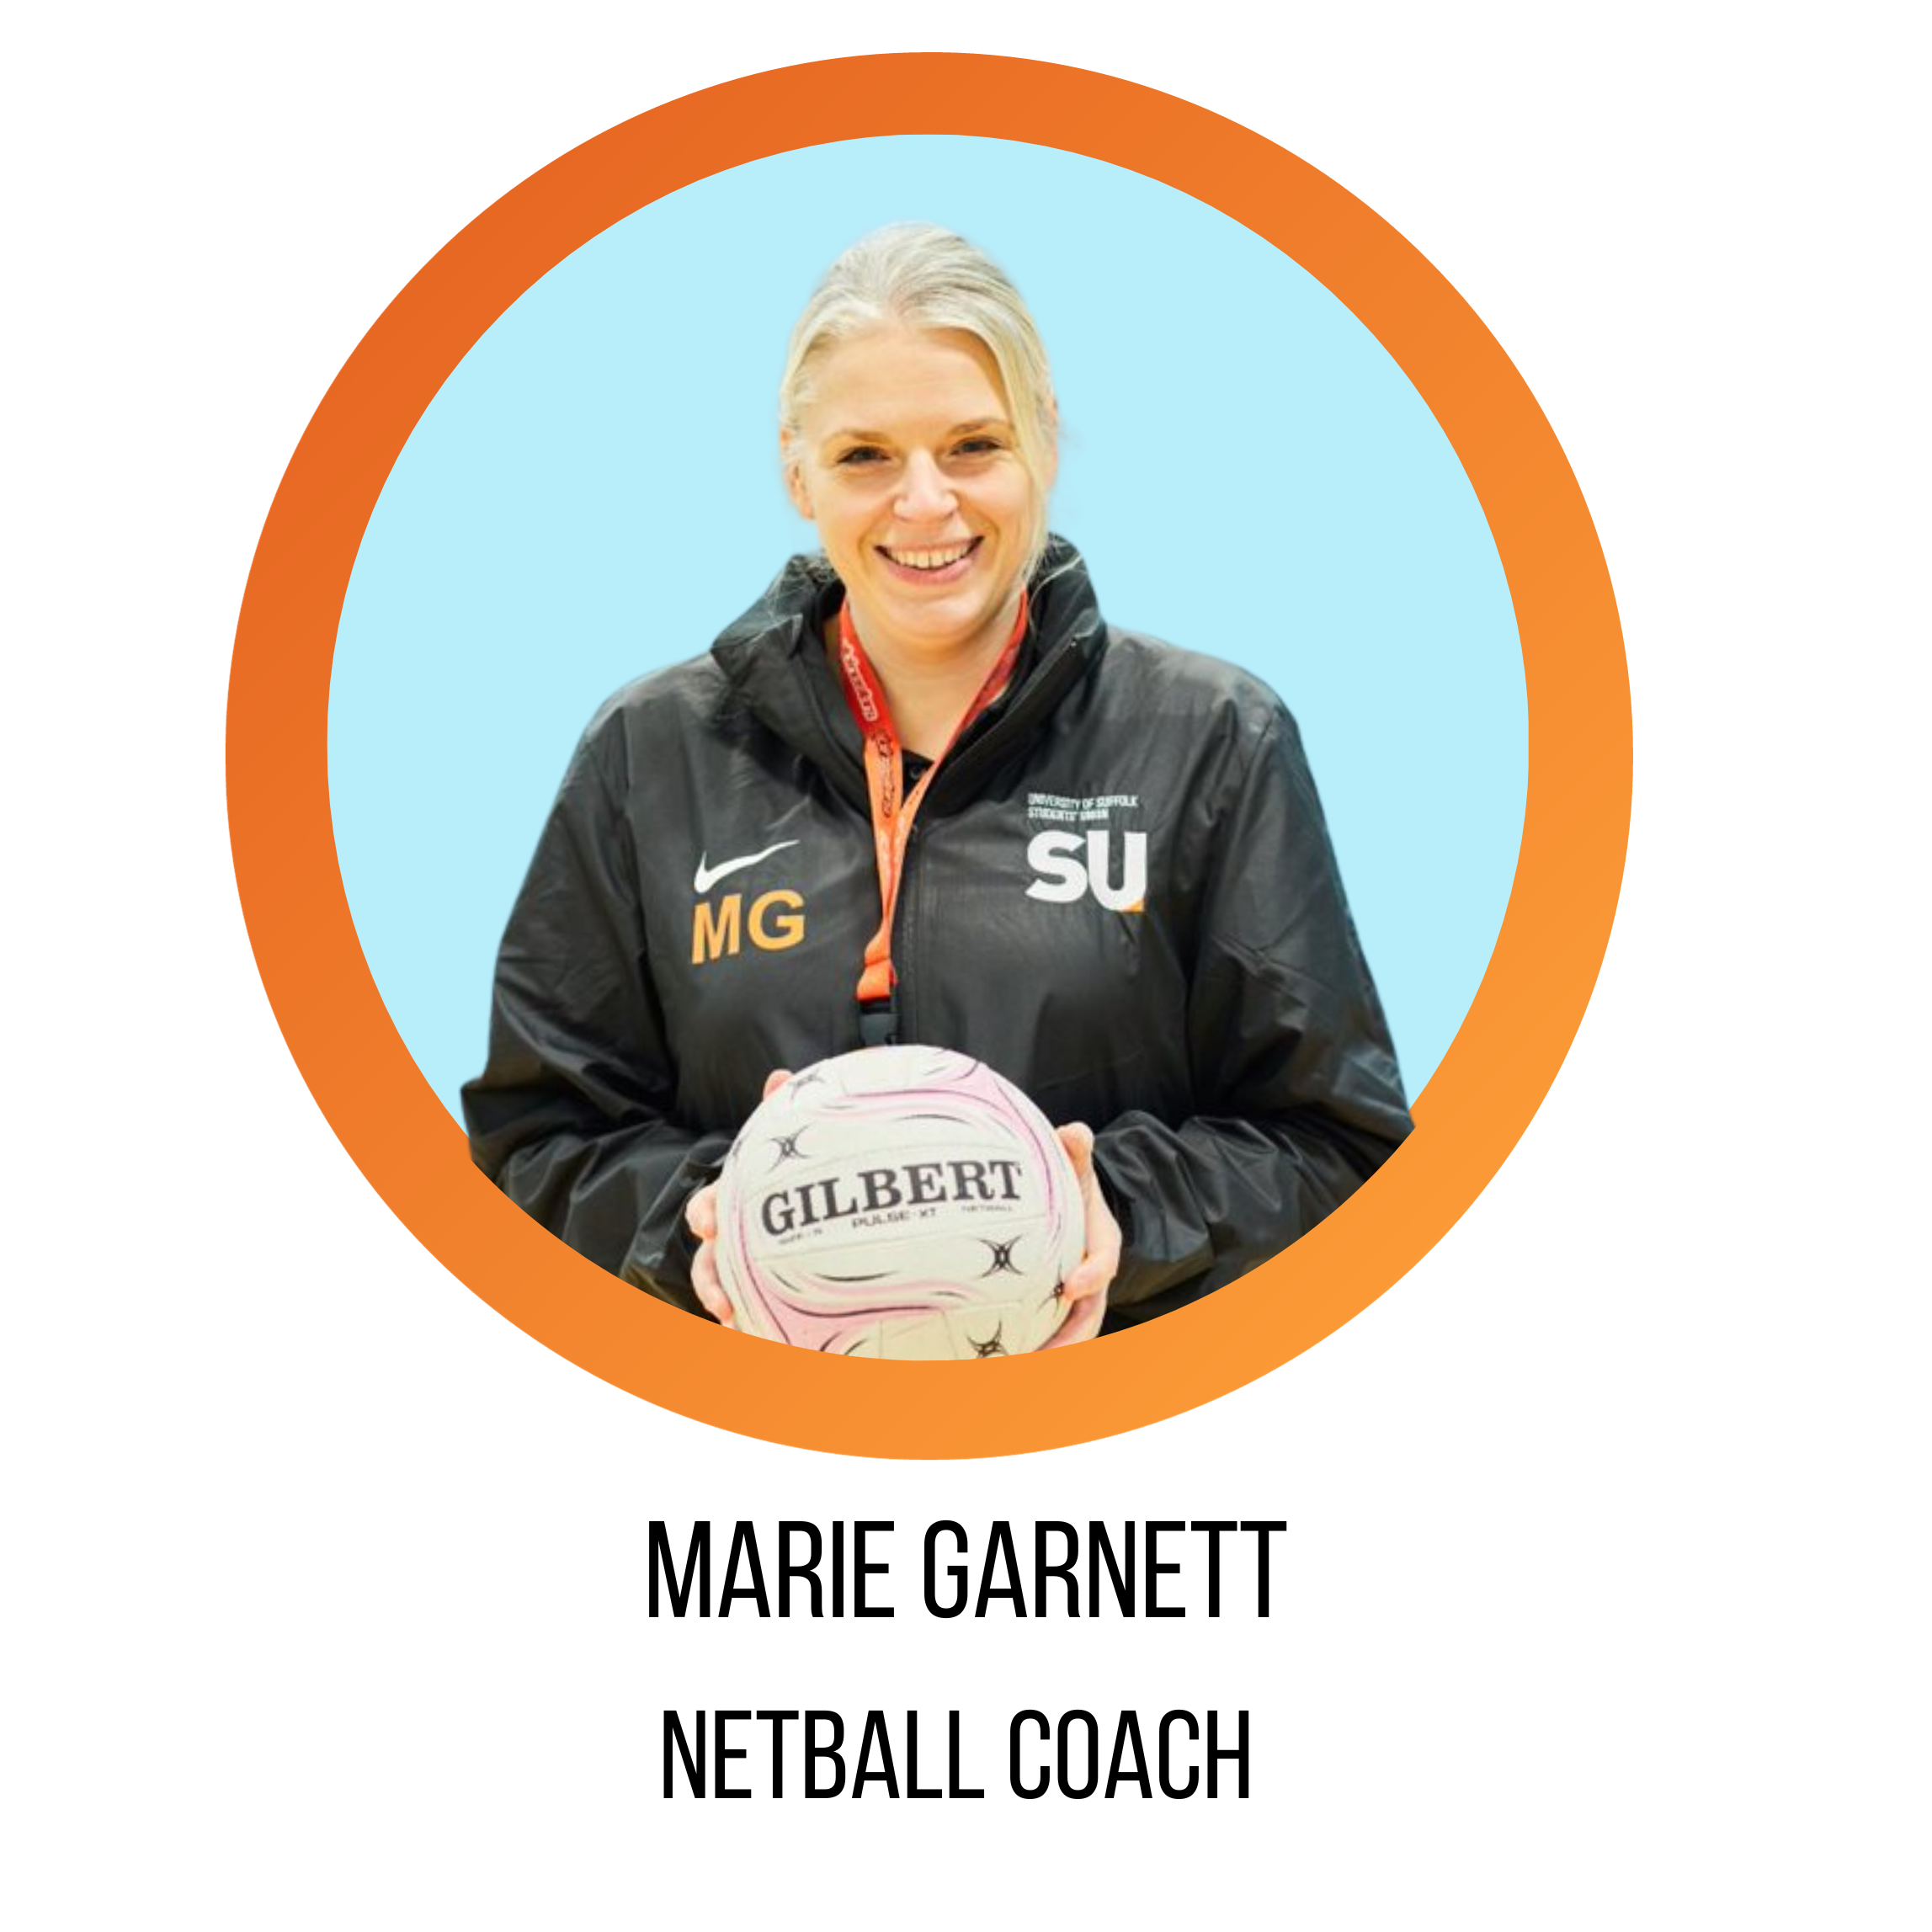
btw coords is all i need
(1078, 1138)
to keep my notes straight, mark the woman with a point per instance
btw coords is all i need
(921, 791)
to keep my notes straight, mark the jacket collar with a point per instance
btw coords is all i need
(774, 661)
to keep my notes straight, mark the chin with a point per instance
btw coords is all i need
(942, 625)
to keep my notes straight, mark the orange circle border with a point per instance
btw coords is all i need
(1502, 1061)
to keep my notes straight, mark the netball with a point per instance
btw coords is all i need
(901, 1201)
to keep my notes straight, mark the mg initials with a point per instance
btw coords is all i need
(776, 920)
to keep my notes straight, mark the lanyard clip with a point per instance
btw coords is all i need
(878, 1022)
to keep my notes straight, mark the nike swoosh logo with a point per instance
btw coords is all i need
(709, 875)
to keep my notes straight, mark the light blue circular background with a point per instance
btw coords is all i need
(594, 494)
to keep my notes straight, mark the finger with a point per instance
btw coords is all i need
(1084, 1323)
(1103, 1251)
(1080, 1321)
(701, 1213)
(710, 1290)
(1101, 1233)
(775, 1079)
(1087, 1280)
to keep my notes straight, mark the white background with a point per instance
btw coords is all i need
(1600, 1600)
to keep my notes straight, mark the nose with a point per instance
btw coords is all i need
(924, 497)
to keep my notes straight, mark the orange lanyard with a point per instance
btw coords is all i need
(894, 809)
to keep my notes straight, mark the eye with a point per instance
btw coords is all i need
(979, 446)
(859, 455)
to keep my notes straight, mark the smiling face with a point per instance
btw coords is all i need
(904, 457)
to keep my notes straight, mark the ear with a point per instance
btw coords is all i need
(791, 461)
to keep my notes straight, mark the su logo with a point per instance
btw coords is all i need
(1067, 877)
(774, 923)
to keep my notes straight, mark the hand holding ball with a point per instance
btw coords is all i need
(905, 1202)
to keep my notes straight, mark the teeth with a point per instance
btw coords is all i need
(928, 559)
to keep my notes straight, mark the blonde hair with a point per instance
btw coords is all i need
(916, 275)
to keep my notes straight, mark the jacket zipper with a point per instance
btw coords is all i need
(1039, 695)
(905, 939)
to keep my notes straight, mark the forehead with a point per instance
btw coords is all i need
(903, 380)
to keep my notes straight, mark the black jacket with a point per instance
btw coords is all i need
(1120, 893)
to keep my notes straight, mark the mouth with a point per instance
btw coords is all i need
(938, 563)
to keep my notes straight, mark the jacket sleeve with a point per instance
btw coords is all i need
(574, 1116)
(1295, 1079)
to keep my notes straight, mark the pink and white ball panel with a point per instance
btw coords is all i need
(901, 1201)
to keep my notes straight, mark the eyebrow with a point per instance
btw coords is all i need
(957, 429)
